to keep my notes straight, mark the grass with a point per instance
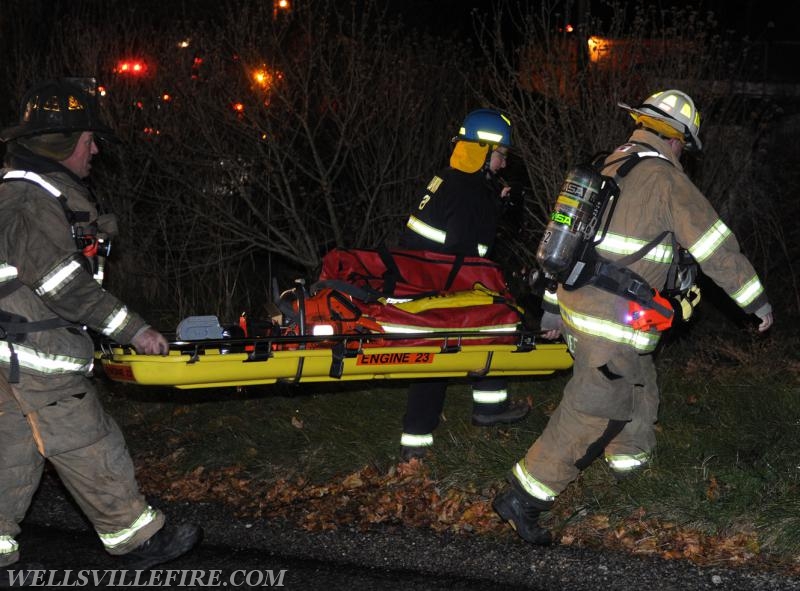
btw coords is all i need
(726, 466)
(321, 430)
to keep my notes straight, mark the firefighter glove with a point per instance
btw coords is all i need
(685, 304)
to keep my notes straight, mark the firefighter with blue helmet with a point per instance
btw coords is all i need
(610, 405)
(49, 295)
(458, 214)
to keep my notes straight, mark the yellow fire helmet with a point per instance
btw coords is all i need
(671, 113)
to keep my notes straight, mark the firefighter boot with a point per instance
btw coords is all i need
(522, 512)
(409, 452)
(513, 413)
(167, 544)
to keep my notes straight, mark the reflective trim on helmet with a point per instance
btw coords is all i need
(625, 463)
(409, 440)
(668, 111)
(7, 272)
(489, 396)
(62, 105)
(686, 110)
(32, 176)
(624, 245)
(486, 126)
(8, 545)
(532, 486)
(115, 539)
(57, 278)
(44, 363)
(434, 234)
(616, 332)
(708, 243)
(114, 320)
(492, 138)
(748, 293)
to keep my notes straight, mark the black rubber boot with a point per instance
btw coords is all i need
(522, 511)
(409, 452)
(167, 544)
(515, 412)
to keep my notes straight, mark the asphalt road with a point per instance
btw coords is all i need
(236, 552)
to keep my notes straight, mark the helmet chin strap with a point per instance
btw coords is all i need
(487, 164)
(491, 175)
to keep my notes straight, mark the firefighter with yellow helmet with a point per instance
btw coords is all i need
(458, 214)
(49, 295)
(609, 407)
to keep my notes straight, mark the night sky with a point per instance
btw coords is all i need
(755, 18)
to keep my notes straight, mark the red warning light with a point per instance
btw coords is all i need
(131, 67)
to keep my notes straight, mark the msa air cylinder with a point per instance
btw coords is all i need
(572, 222)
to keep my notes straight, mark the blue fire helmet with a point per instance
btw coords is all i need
(486, 126)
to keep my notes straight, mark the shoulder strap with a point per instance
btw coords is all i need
(615, 276)
(634, 158)
(458, 261)
(13, 328)
(73, 217)
(392, 274)
(9, 287)
(635, 256)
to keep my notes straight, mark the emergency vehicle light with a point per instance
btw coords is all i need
(131, 67)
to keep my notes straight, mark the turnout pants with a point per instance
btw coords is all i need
(607, 411)
(88, 451)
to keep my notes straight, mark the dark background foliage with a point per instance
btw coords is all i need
(219, 205)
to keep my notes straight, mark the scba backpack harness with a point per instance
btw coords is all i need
(14, 327)
(568, 253)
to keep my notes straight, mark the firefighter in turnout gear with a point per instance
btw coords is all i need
(49, 409)
(609, 407)
(458, 214)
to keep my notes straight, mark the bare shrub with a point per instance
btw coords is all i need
(350, 117)
(225, 180)
(562, 89)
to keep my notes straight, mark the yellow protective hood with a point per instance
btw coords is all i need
(659, 126)
(469, 157)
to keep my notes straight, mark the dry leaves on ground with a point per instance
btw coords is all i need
(406, 496)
